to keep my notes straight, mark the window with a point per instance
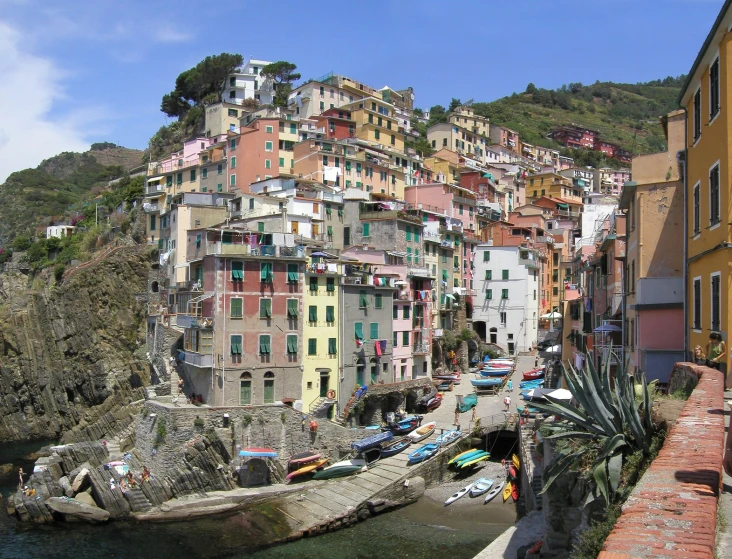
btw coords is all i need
(393, 137)
(204, 173)
(232, 180)
(697, 304)
(716, 301)
(332, 346)
(697, 209)
(292, 308)
(363, 301)
(405, 338)
(313, 346)
(233, 162)
(236, 307)
(374, 330)
(713, 89)
(505, 274)
(503, 318)
(377, 134)
(312, 313)
(268, 129)
(486, 256)
(265, 272)
(366, 229)
(219, 169)
(292, 273)
(358, 330)
(265, 308)
(232, 143)
(330, 284)
(504, 293)
(330, 314)
(260, 226)
(268, 146)
(236, 343)
(237, 270)
(291, 344)
(489, 294)
(264, 345)
(395, 339)
(378, 301)
(169, 180)
(714, 195)
(152, 222)
(267, 163)
(489, 274)
(408, 232)
(697, 115)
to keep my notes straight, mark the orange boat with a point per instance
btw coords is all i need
(310, 468)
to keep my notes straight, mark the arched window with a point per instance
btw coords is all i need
(360, 367)
(154, 287)
(245, 389)
(269, 387)
(374, 370)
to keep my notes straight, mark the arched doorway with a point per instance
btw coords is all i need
(494, 335)
(154, 287)
(479, 327)
(360, 368)
(245, 389)
(324, 383)
(269, 387)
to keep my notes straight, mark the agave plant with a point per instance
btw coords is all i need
(609, 417)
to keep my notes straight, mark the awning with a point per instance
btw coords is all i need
(449, 296)
(562, 206)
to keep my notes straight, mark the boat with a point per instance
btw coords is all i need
(307, 469)
(258, 453)
(423, 453)
(455, 496)
(423, 432)
(507, 491)
(371, 455)
(433, 403)
(515, 492)
(481, 486)
(404, 426)
(453, 377)
(467, 456)
(498, 359)
(462, 455)
(479, 457)
(341, 469)
(533, 375)
(395, 447)
(493, 492)
(516, 461)
(531, 383)
(445, 386)
(296, 460)
(512, 472)
(495, 372)
(449, 437)
(486, 382)
(371, 442)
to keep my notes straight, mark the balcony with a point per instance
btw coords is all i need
(418, 268)
(153, 189)
(151, 208)
(201, 360)
(421, 348)
(193, 321)
(262, 251)
(446, 244)
(546, 239)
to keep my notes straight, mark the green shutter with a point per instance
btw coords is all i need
(237, 271)
(489, 294)
(505, 274)
(313, 313)
(313, 346)
(265, 272)
(264, 345)
(236, 344)
(291, 343)
(314, 283)
(265, 308)
(330, 284)
(292, 308)
(359, 330)
(405, 338)
(198, 240)
(377, 301)
(292, 273)
(486, 256)
(330, 314)
(366, 229)
(260, 226)
(489, 274)
(374, 330)
(328, 210)
(332, 348)
(330, 230)
(504, 294)
(444, 275)
(416, 234)
(363, 301)
(236, 307)
(409, 232)
(340, 212)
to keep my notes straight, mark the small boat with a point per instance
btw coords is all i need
(433, 403)
(423, 453)
(467, 456)
(515, 492)
(307, 469)
(534, 375)
(296, 460)
(486, 382)
(512, 472)
(455, 496)
(445, 386)
(423, 432)
(462, 455)
(395, 447)
(404, 426)
(531, 383)
(495, 372)
(258, 453)
(453, 378)
(373, 427)
(498, 359)
(516, 461)
(493, 492)
(341, 469)
(507, 491)
(371, 455)
(371, 442)
(449, 437)
(480, 457)
(481, 486)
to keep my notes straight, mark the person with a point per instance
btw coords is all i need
(180, 386)
(536, 362)
(699, 357)
(509, 385)
(20, 475)
(145, 473)
(715, 351)
(507, 402)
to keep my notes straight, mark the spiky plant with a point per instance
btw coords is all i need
(611, 419)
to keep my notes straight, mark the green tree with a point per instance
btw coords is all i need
(454, 104)
(282, 74)
(198, 83)
(531, 88)
(437, 115)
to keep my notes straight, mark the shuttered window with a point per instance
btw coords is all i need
(291, 344)
(265, 308)
(236, 307)
(264, 345)
(716, 302)
(292, 311)
(236, 343)
(330, 314)
(697, 304)
(313, 313)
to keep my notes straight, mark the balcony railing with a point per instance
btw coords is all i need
(193, 321)
(266, 251)
(421, 348)
(154, 189)
(198, 359)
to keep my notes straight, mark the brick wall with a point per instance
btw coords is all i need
(672, 512)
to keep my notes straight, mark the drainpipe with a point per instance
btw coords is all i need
(681, 158)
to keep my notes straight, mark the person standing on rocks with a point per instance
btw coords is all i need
(20, 475)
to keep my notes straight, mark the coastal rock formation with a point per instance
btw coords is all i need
(67, 353)
(73, 509)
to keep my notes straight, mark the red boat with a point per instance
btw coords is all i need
(512, 472)
(434, 403)
(534, 374)
(514, 492)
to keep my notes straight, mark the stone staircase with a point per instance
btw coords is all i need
(320, 407)
(533, 466)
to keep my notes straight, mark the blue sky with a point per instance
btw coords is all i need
(75, 72)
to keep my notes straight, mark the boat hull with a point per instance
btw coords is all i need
(459, 494)
(480, 487)
(449, 437)
(423, 432)
(395, 447)
(475, 459)
(493, 492)
(424, 453)
(307, 469)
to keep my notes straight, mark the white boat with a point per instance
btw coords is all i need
(495, 491)
(459, 494)
(481, 486)
(423, 432)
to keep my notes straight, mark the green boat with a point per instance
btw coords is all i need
(341, 469)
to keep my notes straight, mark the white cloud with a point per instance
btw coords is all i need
(168, 34)
(28, 90)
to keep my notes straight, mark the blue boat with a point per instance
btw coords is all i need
(395, 447)
(486, 382)
(495, 372)
(423, 453)
(371, 442)
(449, 437)
(531, 383)
(257, 453)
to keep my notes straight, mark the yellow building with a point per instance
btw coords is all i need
(707, 98)
(376, 122)
(553, 185)
(321, 316)
(465, 117)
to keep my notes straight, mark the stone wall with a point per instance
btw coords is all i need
(672, 511)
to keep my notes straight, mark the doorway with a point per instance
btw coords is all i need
(269, 391)
(510, 348)
(245, 389)
(494, 335)
(324, 384)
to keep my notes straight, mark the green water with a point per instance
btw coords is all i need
(421, 530)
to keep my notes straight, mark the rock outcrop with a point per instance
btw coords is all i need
(68, 360)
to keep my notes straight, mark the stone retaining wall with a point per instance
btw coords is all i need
(672, 512)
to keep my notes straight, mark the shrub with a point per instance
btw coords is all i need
(162, 432)
(198, 422)
(58, 272)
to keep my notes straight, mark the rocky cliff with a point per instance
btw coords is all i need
(68, 361)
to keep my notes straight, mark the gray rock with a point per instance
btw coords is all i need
(81, 481)
(76, 510)
(66, 486)
(85, 498)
